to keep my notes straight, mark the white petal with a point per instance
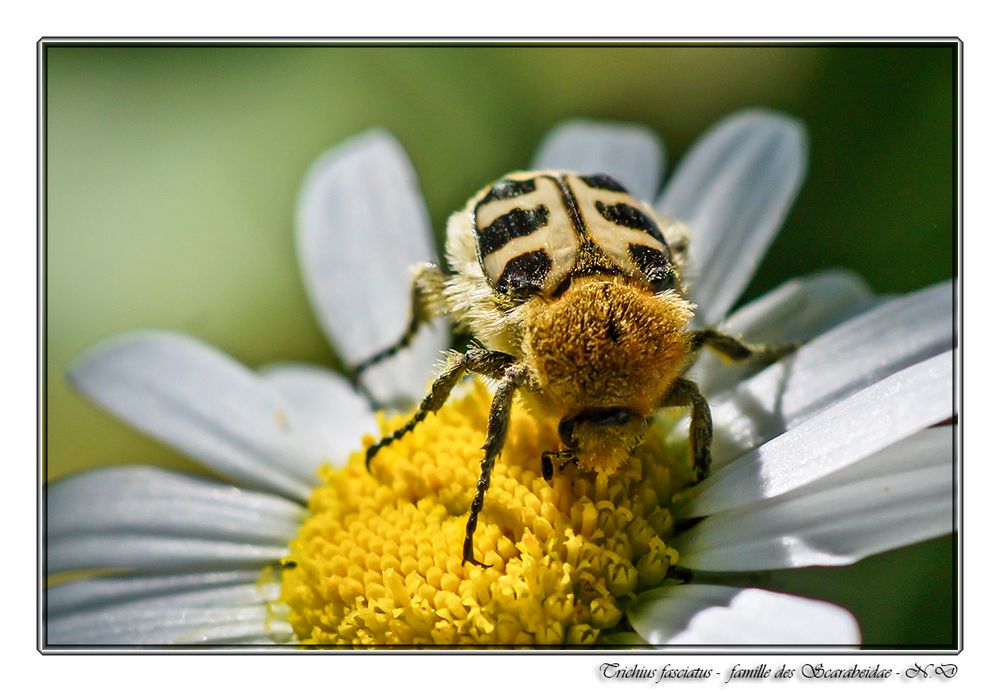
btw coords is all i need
(90, 594)
(153, 628)
(145, 500)
(925, 449)
(899, 496)
(362, 225)
(833, 366)
(796, 311)
(251, 642)
(203, 403)
(324, 401)
(706, 615)
(170, 621)
(733, 190)
(216, 608)
(867, 422)
(631, 154)
(228, 595)
(270, 632)
(155, 553)
(147, 518)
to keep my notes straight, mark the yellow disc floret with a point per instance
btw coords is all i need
(379, 560)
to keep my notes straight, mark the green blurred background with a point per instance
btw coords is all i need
(172, 173)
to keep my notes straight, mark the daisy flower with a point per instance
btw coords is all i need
(838, 452)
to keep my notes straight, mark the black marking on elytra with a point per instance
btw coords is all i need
(514, 224)
(600, 181)
(525, 273)
(626, 215)
(655, 265)
(506, 189)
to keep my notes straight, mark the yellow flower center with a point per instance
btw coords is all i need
(379, 560)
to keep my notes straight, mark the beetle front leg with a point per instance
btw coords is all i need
(477, 360)
(686, 393)
(495, 436)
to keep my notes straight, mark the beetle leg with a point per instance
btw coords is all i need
(426, 302)
(477, 360)
(736, 350)
(685, 393)
(495, 435)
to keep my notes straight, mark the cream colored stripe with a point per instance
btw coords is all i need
(560, 242)
(546, 193)
(615, 241)
(609, 235)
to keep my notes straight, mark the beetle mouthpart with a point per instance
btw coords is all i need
(603, 442)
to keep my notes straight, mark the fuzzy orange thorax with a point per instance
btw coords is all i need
(606, 343)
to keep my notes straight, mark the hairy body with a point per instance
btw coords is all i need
(573, 288)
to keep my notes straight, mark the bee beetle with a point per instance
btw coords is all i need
(573, 289)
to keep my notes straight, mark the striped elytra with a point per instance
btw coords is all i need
(533, 231)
